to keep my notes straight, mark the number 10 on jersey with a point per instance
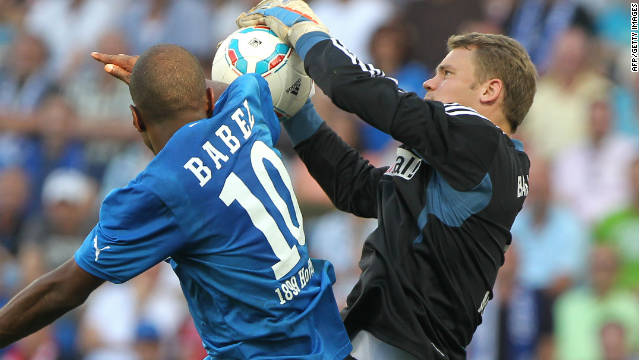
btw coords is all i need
(235, 189)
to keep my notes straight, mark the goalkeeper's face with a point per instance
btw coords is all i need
(455, 81)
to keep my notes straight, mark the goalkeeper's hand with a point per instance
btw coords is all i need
(289, 19)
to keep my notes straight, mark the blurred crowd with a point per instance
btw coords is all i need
(569, 286)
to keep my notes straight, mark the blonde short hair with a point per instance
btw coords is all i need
(499, 56)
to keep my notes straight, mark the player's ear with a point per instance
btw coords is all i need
(211, 101)
(491, 91)
(137, 119)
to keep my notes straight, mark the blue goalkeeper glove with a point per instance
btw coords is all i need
(291, 20)
(303, 124)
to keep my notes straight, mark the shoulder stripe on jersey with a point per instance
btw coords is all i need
(373, 72)
(455, 106)
(462, 112)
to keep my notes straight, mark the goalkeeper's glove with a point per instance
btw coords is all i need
(289, 19)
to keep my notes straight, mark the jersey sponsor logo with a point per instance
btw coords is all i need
(98, 250)
(523, 186)
(406, 165)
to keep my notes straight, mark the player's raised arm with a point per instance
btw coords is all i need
(351, 84)
(349, 180)
(121, 65)
(45, 300)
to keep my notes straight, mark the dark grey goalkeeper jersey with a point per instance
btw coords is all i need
(444, 207)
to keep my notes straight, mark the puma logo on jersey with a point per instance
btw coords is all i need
(523, 185)
(98, 250)
(406, 165)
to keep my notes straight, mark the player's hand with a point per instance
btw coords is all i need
(289, 19)
(119, 66)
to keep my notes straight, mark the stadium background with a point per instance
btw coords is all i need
(569, 287)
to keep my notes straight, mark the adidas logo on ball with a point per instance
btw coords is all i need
(295, 88)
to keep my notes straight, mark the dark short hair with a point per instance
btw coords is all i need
(499, 56)
(166, 81)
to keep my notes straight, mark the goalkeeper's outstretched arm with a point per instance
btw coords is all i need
(349, 180)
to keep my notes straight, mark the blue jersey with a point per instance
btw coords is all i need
(217, 203)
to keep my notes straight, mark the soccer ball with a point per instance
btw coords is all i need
(257, 49)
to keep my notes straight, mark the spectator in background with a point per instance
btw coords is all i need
(148, 345)
(499, 13)
(124, 166)
(553, 242)
(354, 35)
(54, 145)
(338, 237)
(190, 343)
(619, 230)
(537, 24)
(553, 246)
(24, 83)
(180, 22)
(612, 341)
(624, 96)
(24, 79)
(591, 177)
(118, 318)
(438, 19)
(581, 314)
(14, 193)
(52, 238)
(391, 47)
(14, 197)
(38, 346)
(11, 17)
(101, 105)
(512, 327)
(71, 28)
(558, 116)
(611, 21)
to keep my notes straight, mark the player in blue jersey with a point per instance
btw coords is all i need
(217, 204)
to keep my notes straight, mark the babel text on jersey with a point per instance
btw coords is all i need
(245, 123)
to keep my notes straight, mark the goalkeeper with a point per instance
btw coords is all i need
(444, 207)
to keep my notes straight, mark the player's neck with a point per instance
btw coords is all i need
(160, 134)
(498, 119)
(504, 126)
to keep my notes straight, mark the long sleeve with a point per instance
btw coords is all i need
(439, 132)
(349, 180)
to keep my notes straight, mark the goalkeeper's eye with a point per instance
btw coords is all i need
(447, 72)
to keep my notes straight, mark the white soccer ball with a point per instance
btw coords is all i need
(257, 49)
